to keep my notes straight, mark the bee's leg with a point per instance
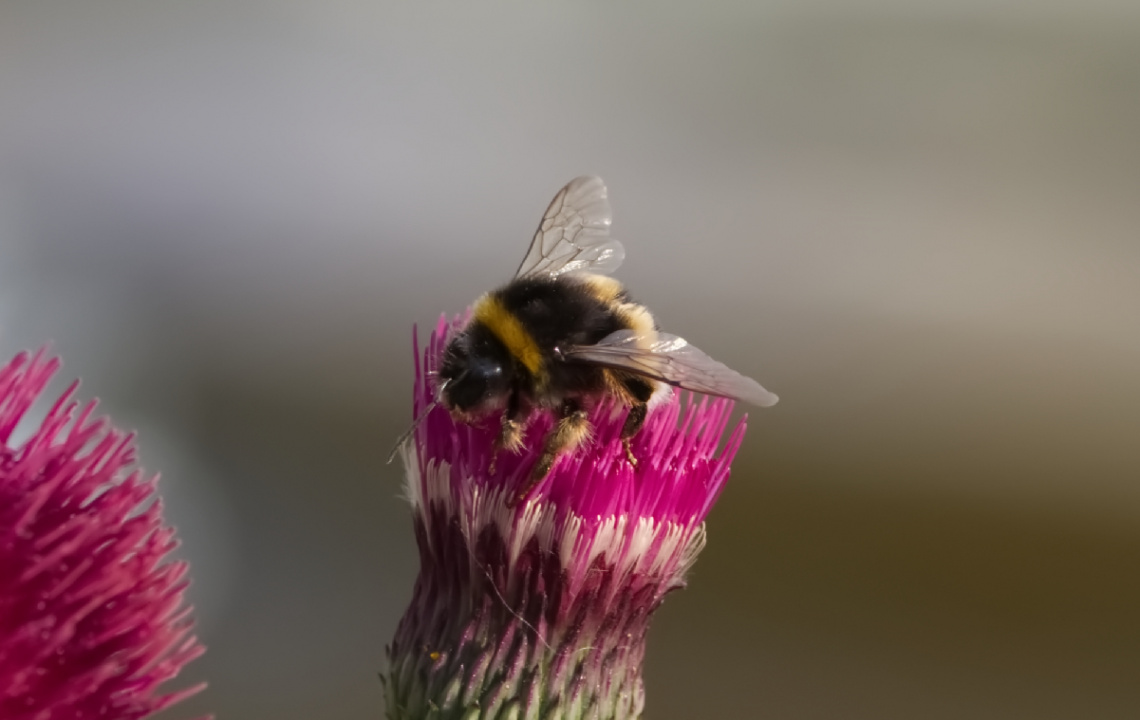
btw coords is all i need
(639, 392)
(572, 429)
(511, 431)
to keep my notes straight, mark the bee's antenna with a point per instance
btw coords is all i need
(419, 419)
(408, 433)
(443, 385)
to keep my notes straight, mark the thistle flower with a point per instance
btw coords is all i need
(540, 609)
(91, 617)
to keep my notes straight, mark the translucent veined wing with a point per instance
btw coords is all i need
(672, 360)
(574, 233)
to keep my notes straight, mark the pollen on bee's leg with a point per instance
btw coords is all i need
(572, 430)
(629, 452)
(541, 469)
(634, 421)
(510, 438)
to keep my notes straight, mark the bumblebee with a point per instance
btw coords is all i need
(563, 335)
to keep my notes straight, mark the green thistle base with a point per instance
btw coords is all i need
(482, 640)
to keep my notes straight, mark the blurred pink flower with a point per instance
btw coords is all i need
(92, 619)
(541, 608)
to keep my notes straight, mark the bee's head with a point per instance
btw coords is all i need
(475, 373)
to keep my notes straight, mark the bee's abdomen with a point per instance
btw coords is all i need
(559, 312)
(533, 316)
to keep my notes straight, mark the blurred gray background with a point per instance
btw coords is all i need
(916, 221)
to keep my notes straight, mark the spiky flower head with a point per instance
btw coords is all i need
(92, 619)
(540, 609)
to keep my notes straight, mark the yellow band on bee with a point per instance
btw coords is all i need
(506, 327)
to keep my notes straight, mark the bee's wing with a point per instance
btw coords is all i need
(672, 360)
(574, 233)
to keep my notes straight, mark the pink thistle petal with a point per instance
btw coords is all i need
(92, 618)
